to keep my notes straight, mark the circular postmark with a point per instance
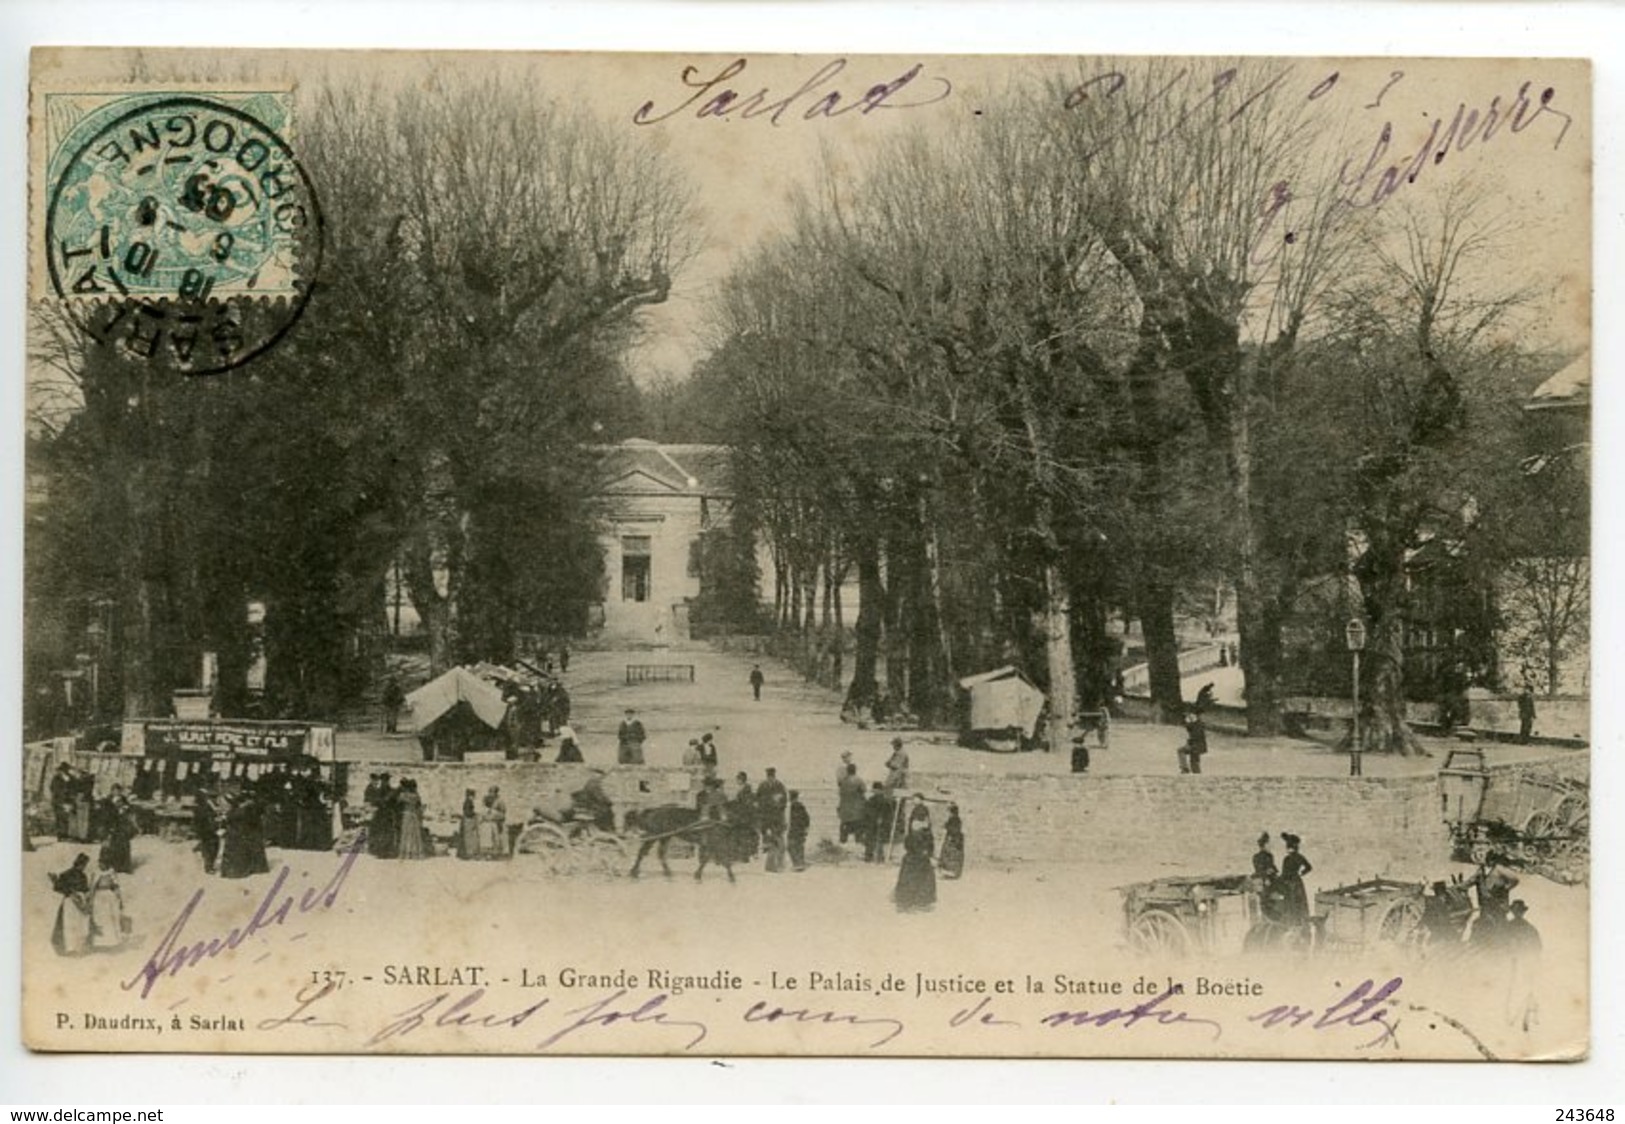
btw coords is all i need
(182, 230)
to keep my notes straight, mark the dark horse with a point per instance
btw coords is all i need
(661, 824)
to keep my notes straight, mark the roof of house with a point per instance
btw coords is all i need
(637, 465)
(1570, 387)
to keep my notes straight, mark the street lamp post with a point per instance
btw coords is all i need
(1354, 634)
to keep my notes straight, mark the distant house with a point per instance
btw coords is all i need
(654, 502)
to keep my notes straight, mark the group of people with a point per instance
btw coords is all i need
(397, 826)
(81, 816)
(482, 829)
(1281, 891)
(90, 915)
(289, 807)
(867, 814)
(753, 819)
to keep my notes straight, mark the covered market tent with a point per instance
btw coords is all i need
(1003, 700)
(456, 714)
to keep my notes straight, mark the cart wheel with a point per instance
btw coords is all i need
(1157, 932)
(1402, 924)
(1574, 812)
(549, 843)
(606, 853)
(1540, 827)
(1268, 936)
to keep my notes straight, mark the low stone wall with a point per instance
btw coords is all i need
(527, 785)
(1393, 825)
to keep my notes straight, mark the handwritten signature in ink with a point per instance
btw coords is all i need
(806, 101)
(467, 1012)
(306, 998)
(1155, 1011)
(1365, 1005)
(172, 956)
(764, 1012)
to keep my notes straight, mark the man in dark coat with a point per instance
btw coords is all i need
(742, 815)
(393, 699)
(1080, 753)
(206, 826)
(852, 805)
(62, 798)
(383, 832)
(879, 825)
(800, 824)
(1526, 714)
(1195, 747)
(772, 801)
(629, 740)
(756, 681)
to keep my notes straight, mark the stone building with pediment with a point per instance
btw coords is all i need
(655, 501)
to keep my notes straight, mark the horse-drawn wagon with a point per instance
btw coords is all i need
(1377, 911)
(1183, 915)
(1539, 819)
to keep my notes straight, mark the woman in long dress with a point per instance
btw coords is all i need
(468, 833)
(569, 751)
(952, 859)
(917, 880)
(84, 793)
(1294, 898)
(493, 826)
(107, 926)
(243, 851)
(70, 936)
(411, 821)
(115, 854)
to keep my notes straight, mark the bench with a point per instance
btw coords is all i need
(659, 673)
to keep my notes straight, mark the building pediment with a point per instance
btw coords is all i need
(639, 483)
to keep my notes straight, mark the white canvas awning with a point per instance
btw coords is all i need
(434, 699)
(1003, 699)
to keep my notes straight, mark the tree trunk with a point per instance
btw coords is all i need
(897, 635)
(1063, 687)
(1258, 619)
(838, 660)
(1161, 647)
(871, 609)
(1383, 728)
(437, 610)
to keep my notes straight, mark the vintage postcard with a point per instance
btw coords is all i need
(796, 555)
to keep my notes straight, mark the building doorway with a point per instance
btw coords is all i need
(635, 567)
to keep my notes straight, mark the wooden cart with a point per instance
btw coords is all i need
(1541, 820)
(1179, 916)
(1378, 911)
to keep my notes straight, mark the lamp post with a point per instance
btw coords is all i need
(1354, 634)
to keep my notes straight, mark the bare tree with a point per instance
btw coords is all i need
(1547, 604)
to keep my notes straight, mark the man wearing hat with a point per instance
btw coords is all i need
(897, 766)
(772, 802)
(62, 798)
(800, 824)
(1195, 747)
(1080, 752)
(629, 740)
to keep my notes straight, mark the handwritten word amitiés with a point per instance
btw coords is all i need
(810, 101)
(171, 956)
